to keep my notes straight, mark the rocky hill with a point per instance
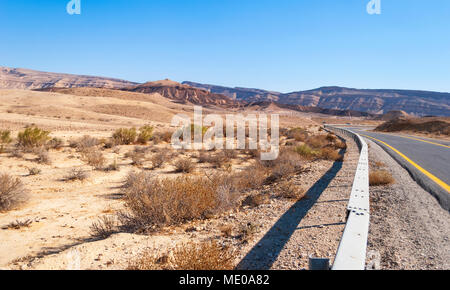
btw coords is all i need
(17, 78)
(182, 93)
(418, 103)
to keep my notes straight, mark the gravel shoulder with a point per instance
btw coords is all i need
(408, 229)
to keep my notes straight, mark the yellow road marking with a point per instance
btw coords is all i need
(431, 176)
(417, 139)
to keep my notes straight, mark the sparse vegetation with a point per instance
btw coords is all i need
(12, 192)
(184, 165)
(124, 136)
(5, 138)
(145, 134)
(42, 154)
(288, 189)
(17, 225)
(94, 158)
(77, 174)
(84, 143)
(380, 177)
(256, 200)
(104, 227)
(34, 171)
(190, 256)
(32, 137)
(306, 151)
(158, 159)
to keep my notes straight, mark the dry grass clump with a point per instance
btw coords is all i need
(113, 166)
(77, 174)
(289, 162)
(42, 154)
(17, 225)
(12, 192)
(124, 136)
(289, 190)
(253, 177)
(104, 227)
(380, 177)
(34, 171)
(226, 231)
(152, 201)
(55, 143)
(328, 153)
(32, 137)
(306, 151)
(5, 139)
(158, 159)
(184, 165)
(298, 134)
(84, 143)
(247, 231)
(94, 158)
(190, 256)
(145, 134)
(256, 200)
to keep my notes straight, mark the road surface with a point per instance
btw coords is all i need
(428, 160)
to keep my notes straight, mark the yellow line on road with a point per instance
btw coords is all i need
(431, 176)
(434, 143)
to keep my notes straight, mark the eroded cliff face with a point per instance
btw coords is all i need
(418, 103)
(16, 78)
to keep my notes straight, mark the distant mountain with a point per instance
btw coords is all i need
(17, 78)
(418, 103)
(183, 93)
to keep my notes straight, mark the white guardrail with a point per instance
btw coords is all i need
(351, 254)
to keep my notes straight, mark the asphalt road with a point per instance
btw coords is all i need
(431, 155)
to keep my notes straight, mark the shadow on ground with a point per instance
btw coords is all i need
(266, 251)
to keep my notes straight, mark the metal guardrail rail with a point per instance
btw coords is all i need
(351, 254)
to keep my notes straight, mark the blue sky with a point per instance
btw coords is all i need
(277, 45)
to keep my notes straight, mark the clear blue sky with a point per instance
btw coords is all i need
(278, 45)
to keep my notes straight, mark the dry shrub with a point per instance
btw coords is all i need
(152, 201)
(34, 171)
(289, 190)
(287, 163)
(32, 137)
(339, 144)
(219, 160)
(318, 141)
(158, 159)
(331, 154)
(226, 231)
(256, 200)
(5, 138)
(307, 152)
(184, 165)
(247, 231)
(104, 227)
(12, 192)
(331, 137)
(17, 225)
(298, 134)
(124, 136)
(165, 136)
(380, 177)
(253, 177)
(42, 155)
(84, 143)
(190, 256)
(145, 134)
(113, 166)
(94, 158)
(55, 143)
(77, 174)
(137, 156)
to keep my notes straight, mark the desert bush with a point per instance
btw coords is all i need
(94, 158)
(152, 201)
(166, 136)
(84, 143)
(184, 165)
(253, 177)
(77, 174)
(104, 227)
(17, 225)
(306, 151)
(32, 137)
(42, 154)
(5, 138)
(331, 137)
(226, 231)
(247, 231)
(317, 141)
(380, 177)
(158, 159)
(114, 166)
(298, 134)
(12, 192)
(34, 171)
(288, 163)
(145, 134)
(289, 190)
(339, 144)
(328, 153)
(124, 136)
(190, 256)
(256, 200)
(55, 143)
